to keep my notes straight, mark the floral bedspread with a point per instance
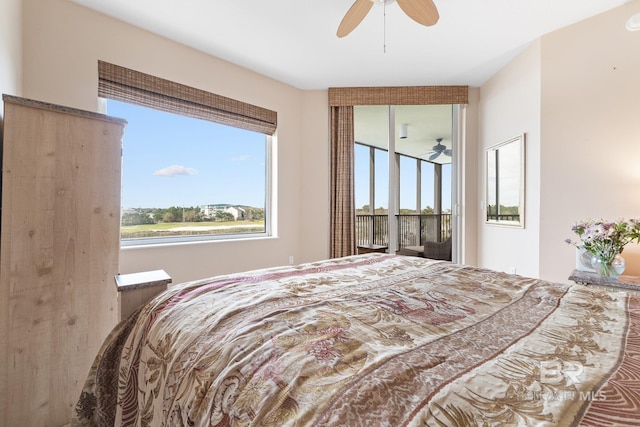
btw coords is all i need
(371, 340)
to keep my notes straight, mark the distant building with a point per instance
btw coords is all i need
(238, 213)
(209, 211)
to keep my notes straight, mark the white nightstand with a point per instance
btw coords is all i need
(136, 289)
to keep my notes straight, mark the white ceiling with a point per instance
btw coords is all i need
(294, 41)
(425, 125)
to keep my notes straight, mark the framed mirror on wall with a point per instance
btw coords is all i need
(505, 178)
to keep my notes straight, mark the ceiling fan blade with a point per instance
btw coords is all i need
(434, 155)
(447, 152)
(423, 12)
(354, 16)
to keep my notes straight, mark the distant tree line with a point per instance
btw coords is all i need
(141, 216)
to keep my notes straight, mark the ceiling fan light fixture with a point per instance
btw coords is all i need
(423, 12)
(633, 23)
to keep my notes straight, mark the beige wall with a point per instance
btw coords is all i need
(10, 49)
(590, 154)
(575, 93)
(562, 91)
(510, 106)
(313, 184)
(63, 42)
(469, 180)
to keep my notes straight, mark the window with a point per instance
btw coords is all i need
(505, 182)
(361, 178)
(195, 165)
(371, 176)
(427, 196)
(408, 189)
(421, 184)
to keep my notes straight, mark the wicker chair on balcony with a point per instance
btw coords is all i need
(431, 250)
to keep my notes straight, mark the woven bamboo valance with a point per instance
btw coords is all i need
(124, 84)
(398, 95)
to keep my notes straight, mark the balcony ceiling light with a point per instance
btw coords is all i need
(404, 131)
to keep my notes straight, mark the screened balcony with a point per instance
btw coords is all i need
(403, 169)
(413, 229)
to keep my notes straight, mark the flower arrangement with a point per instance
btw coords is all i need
(605, 239)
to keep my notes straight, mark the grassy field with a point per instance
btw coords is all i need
(166, 229)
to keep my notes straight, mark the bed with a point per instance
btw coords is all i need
(370, 340)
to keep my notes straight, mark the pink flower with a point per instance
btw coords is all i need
(606, 239)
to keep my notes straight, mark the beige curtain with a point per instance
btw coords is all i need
(341, 102)
(343, 236)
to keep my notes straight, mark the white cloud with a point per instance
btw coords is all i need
(175, 170)
(241, 158)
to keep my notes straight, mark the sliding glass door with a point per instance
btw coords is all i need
(371, 130)
(404, 159)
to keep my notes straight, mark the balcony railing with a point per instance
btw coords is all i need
(503, 217)
(413, 229)
(372, 230)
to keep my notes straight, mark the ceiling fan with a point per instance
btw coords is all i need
(439, 149)
(422, 11)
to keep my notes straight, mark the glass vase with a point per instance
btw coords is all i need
(611, 269)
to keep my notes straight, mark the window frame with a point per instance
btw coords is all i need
(133, 87)
(419, 176)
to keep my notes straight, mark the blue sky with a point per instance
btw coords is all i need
(171, 160)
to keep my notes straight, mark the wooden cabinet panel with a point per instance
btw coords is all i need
(58, 255)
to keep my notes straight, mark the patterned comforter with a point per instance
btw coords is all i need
(371, 340)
